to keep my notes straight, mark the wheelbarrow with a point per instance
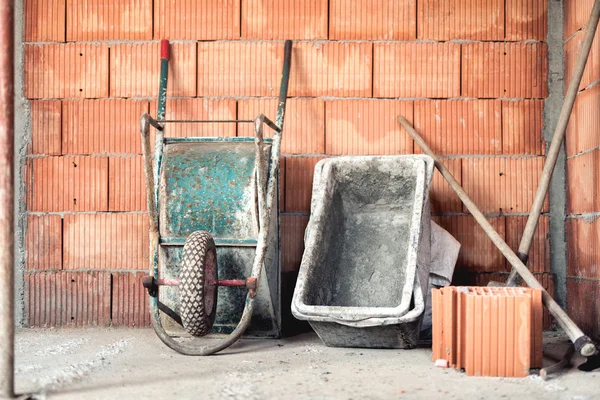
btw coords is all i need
(213, 208)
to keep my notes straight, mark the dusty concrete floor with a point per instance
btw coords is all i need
(128, 364)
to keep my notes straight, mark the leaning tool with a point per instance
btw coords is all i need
(583, 344)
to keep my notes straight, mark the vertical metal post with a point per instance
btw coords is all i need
(6, 200)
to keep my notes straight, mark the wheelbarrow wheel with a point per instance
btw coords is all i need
(198, 289)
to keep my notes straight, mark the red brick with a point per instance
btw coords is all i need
(45, 127)
(522, 124)
(526, 68)
(460, 19)
(416, 70)
(102, 126)
(304, 127)
(66, 71)
(240, 68)
(477, 253)
(105, 241)
(44, 20)
(443, 197)
(483, 70)
(583, 305)
(129, 300)
(367, 127)
(459, 126)
(504, 185)
(281, 184)
(299, 173)
(591, 73)
(199, 109)
(583, 244)
(372, 20)
(583, 182)
(70, 183)
(109, 20)
(197, 20)
(135, 70)
(44, 242)
(526, 19)
(126, 184)
(539, 253)
(576, 15)
(584, 123)
(278, 19)
(74, 299)
(331, 69)
(292, 241)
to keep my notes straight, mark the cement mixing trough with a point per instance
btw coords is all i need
(367, 251)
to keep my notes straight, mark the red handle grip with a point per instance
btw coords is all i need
(164, 49)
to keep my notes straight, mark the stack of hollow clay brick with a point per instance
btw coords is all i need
(488, 331)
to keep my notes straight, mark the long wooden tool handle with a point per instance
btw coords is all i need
(582, 343)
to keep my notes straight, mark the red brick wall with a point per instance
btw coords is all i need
(471, 76)
(583, 171)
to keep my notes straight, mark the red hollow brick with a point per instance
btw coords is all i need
(129, 300)
(135, 70)
(126, 184)
(576, 14)
(304, 128)
(416, 70)
(526, 68)
(43, 242)
(292, 241)
(459, 126)
(106, 241)
(583, 244)
(526, 19)
(299, 173)
(109, 20)
(196, 20)
(522, 124)
(583, 305)
(591, 73)
(44, 20)
(278, 19)
(372, 20)
(539, 254)
(482, 70)
(66, 71)
(584, 123)
(367, 127)
(443, 197)
(583, 183)
(70, 183)
(45, 127)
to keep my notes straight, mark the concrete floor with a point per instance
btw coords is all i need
(130, 364)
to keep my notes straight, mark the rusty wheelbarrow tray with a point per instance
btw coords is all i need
(204, 194)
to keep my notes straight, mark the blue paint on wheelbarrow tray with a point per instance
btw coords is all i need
(367, 248)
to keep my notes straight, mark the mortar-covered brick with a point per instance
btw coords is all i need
(44, 20)
(105, 241)
(43, 242)
(197, 20)
(522, 123)
(67, 299)
(477, 252)
(240, 68)
(338, 69)
(126, 185)
(129, 300)
(278, 19)
(591, 73)
(583, 305)
(576, 15)
(66, 71)
(45, 127)
(539, 253)
(460, 126)
(109, 20)
(102, 126)
(299, 173)
(442, 197)
(416, 70)
(292, 241)
(199, 109)
(304, 128)
(584, 123)
(583, 247)
(135, 69)
(372, 20)
(502, 185)
(583, 183)
(526, 19)
(367, 127)
(460, 19)
(69, 183)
